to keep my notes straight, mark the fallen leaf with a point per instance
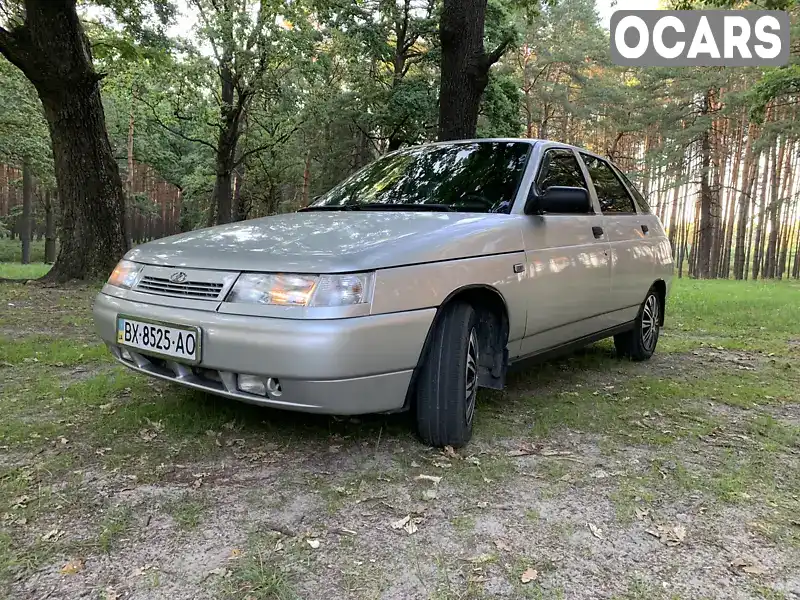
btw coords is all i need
(147, 435)
(749, 566)
(400, 523)
(313, 543)
(678, 534)
(410, 527)
(450, 452)
(529, 575)
(671, 536)
(72, 567)
(501, 545)
(596, 532)
(480, 559)
(432, 478)
(52, 535)
(429, 495)
(235, 553)
(156, 425)
(110, 594)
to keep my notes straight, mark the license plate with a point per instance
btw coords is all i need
(162, 339)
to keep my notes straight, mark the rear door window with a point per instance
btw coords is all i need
(612, 194)
(559, 167)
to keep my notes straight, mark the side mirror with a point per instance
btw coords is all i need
(559, 199)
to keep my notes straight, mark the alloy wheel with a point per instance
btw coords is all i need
(471, 379)
(650, 325)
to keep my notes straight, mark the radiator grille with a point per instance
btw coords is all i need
(188, 289)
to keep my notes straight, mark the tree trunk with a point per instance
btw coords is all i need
(230, 118)
(305, 201)
(27, 203)
(53, 52)
(673, 217)
(465, 67)
(49, 229)
(129, 177)
(745, 200)
(774, 213)
(242, 210)
(705, 234)
(761, 228)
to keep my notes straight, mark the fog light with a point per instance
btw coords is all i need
(274, 388)
(123, 352)
(252, 384)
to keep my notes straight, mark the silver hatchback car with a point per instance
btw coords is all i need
(411, 284)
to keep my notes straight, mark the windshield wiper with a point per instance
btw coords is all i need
(407, 207)
(329, 207)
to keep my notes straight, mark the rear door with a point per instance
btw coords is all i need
(632, 263)
(568, 279)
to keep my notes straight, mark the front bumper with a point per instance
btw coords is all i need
(338, 366)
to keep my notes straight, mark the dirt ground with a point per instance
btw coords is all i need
(589, 477)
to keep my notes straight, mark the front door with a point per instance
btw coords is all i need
(568, 281)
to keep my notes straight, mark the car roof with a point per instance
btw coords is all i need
(530, 141)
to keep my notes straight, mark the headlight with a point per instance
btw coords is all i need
(302, 290)
(124, 274)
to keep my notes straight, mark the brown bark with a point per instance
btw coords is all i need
(465, 67)
(730, 204)
(761, 227)
(129, 176)
(770, 261)
(673, 217)
(51, 49)
(705, 233)
(306, 180)
(49, 229)
(27, 205)
(745, 199)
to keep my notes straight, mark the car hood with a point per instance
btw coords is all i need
(336, 242)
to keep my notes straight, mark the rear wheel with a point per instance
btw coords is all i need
(640, 342)
(447, 385)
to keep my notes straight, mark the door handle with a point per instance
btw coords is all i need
(645, 229)
(597, 231)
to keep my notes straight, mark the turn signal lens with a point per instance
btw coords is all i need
(343, 290)
(124, 274)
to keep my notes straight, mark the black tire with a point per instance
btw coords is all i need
(640, 342)
(448, 380)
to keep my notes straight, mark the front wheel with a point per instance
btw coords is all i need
(447, 385)
(640, 342)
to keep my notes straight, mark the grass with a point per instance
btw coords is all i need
(186, 510)
(752, 315)
(11, 257)
(258, 575)
(713, 431)
(20, 271)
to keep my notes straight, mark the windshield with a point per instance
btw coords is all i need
(468, 177)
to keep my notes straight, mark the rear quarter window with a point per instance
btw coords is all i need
(644, 207)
